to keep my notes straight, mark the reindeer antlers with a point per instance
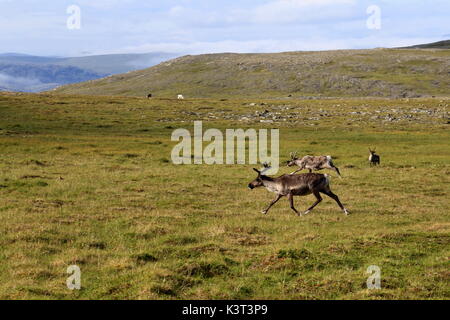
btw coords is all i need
(293, 155)
(266, 168)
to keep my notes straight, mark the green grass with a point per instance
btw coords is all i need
(87, 180)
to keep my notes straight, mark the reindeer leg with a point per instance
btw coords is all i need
(336, 198)
(296, 171)
(337, 171)
(319, 199)
(272, 203)
(291, 202)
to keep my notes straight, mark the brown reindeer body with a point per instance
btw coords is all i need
(296, 185)
(312, 163)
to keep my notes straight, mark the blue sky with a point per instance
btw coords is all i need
(200, 26)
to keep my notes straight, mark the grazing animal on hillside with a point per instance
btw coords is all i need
(149, 96)
(180, 97)
(374, 159)
(312, 163)
(296, 185)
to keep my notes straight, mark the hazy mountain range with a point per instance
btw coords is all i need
(390, 72)
(21, 72)
(404, 72)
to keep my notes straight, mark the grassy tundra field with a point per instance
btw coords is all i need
(88, 181)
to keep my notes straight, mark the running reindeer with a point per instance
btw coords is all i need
(296, 185)
(374, 159)
(312, 163)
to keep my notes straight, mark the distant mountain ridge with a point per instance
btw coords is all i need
(408, 71)
(35, 78)
(340, 73)
(22, 72)
(445, 44)
(13, 54)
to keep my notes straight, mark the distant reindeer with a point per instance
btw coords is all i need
(374, 159)
(149, 96)
(180, 97)
(296, 185)
(312, 163)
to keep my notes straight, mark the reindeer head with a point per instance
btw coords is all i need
(258, 182)
(372, 152)
(291, 162)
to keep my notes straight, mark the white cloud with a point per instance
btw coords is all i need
(273, 45)
(289, 11)
(18, 83)
(273, 12)
(308, 3)
(103, 4)
(39, 26)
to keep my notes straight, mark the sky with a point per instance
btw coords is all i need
(88, 27)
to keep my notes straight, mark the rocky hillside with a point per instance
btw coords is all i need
(377, 73)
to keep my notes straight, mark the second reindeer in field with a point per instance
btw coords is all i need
(374, 159)
(312, 163)
(296, 185)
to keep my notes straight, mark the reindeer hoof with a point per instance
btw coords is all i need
(264, 212)
(306, 212)
(346, 212)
